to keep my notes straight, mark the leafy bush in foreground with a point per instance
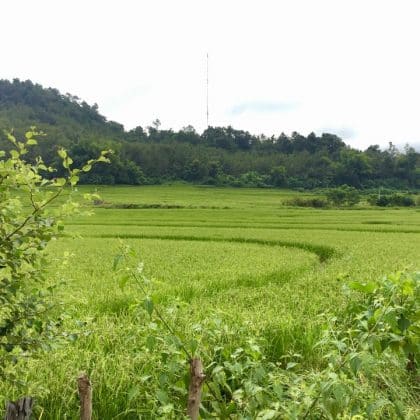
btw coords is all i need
(27, 225)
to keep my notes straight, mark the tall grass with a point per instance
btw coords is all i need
(257, 268)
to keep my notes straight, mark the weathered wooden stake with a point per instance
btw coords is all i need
(197, 378)
(85, 395)
(411, 363)
(20, 409)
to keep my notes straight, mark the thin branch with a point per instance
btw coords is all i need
(173, 332)
(162, 319)
(34, 213)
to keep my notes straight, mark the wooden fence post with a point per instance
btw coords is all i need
(20, 409)
(197, 378)
(85, 394)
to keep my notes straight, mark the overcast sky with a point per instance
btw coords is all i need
(348, 67)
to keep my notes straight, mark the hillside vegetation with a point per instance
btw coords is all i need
(219, 156)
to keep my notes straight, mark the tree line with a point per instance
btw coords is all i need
(218, 156)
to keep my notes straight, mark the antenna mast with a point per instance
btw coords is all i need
(207, 90)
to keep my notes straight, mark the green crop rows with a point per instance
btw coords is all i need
(236, 255)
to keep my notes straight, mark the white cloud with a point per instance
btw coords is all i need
(352, 66)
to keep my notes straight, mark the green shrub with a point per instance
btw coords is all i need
(372, 199)
(383, 201)
(253, 179)
(402, 200)
(27, 225)
(344, 195)
(307, 202)
(393, 200)
(278, 176)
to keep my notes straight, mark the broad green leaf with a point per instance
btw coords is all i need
(11, 138)
(368, 287)
(403, 323)
(291, 365)
(162, 396)
(62, 153)
(14, 154)
(74, 179)
(60, 182)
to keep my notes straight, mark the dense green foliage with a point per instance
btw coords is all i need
(343, 195)
(243, 383)
(255, 288)
(220, 156)
(24, 234)
(27, 225)
(394, 199)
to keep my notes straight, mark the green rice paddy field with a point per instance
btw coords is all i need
(236, 257)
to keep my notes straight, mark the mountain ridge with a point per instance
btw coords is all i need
(218, 156)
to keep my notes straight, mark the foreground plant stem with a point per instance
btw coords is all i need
(194, 367)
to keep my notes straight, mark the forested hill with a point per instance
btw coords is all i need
(218, 156)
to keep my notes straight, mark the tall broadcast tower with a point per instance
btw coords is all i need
(207, 90)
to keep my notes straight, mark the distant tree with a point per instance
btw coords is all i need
(284, 144)
(343, 195)
(189, 129)
(354, 167)
(137, 134)
(156, 124)
(406, 165)
(188, 134)
(331, 143)
(278, 176)
(215, 169)
(195, 171)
